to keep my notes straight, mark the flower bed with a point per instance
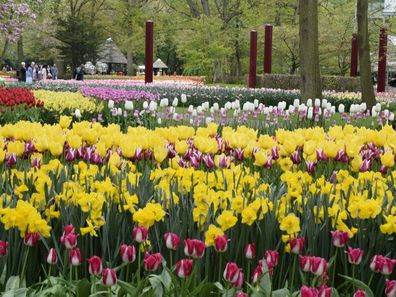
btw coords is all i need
(118, 95)
(208, 210)
(17, 96)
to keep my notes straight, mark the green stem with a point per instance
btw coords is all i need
(23, 272)
(76, 272)
(353, 277)
(127, 272)
(293, 271)
(371, 279)
(334, 268)
(170, 258)
(139, 264)
(248, 271)
(220, 267)
(71, 274)
(93, 280)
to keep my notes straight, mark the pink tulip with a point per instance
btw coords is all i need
(250, 251)
(3, 248)
(194, 248)
(109, 277)
(172, 241)
(355, 256)
(75, 257)
(152, 261)
(359, 293)
(231, 272)
(382, 264)
(318, 265)
(95, 266)
(297, 245)
(324, 291)
(309, 292)
(305, 263)
(70, 240)
(52, 258)
(184, 268)
(240, 280)
(140, 234)
(257, 273)
(272, 258)
(128, 253)
(241, 294)
(339, 238)
(221, 243)
(390, 290)
(68, 229)
(31, 239)
(389, 265)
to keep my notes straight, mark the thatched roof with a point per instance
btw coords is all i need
(159, 64)
(109, 53)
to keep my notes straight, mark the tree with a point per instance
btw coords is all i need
(366, 82)
(309, 50)
(80, 40)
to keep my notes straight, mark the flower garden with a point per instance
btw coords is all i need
(114, 188)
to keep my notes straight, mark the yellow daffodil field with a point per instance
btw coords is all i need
(212, 208)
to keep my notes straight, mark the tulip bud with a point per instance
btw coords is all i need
(318, 265)
(194, 248)
(250, 251)
(172, 241)
(31, 239)
(272, 258)
(184, 268)
(339, 238)
(221, 243)
(324, 291)
(109, 277)
(231, 272)
(3, 248)
(308, 292)
(359, 293)
(390, 289)
(70, 241)
(152, 261)
(355, 256)
(128, 253)
(305, 263)
(75, 257)
(140, 234)
(95, 265)
(52, 258)
(296, 245)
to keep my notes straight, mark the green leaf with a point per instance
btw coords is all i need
(166, 279)
(16, 293)
(281, 293)
(12, 283)
(360, 285)
(265, 281)
(131, 290)
(83, 288)
(156, 285)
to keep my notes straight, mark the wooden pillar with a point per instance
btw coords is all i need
(268, 49)
(354, 55)
(149, 57)
(383, 43)
(253, 59)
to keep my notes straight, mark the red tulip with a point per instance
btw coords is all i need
(359, 293)
(257, 273)
(52, 257)
(75, 257)
(318, 265)
(231, 272)
(377, 263)
(355, 256)
(389, 265)
(95, 265)
(241, 294)
(240, 280)
(339, 238)
(309, 292)
(324, 291)
(140, 234)
(69, 240)
(152, 261)
(109, 277)
(390, 290)
(250, 251)
(31, 239)
(3, 248)
(128, 253)
(272, 258)
(297, 245)
(172, 241)
(184, 268)
(194, 248)
(305, 263)
(69, 229)
(221, 243)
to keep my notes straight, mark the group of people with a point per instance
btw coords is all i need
(35, 72)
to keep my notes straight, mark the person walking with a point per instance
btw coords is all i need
(54, 72)
(22, 73)
(79, 73)
(29, 73)
(44, 73)
(35, 72)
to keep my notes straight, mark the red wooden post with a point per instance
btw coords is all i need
(148, 72)
(268, 49)
(354, 55)
(253, 59)
(383, 43)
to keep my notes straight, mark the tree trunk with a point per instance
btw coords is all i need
(130, 67)
(309, 50)
(366, 83)
(5, 48)
(205, 7)
(20, 53)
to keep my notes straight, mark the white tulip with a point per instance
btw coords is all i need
(164, 102)
(208, 120)
(194, 112)
(378, 107)
(309, 102)
(310, 113)
(183, 98)
(77, 113)
(159, 121)
(216, 106)
(391, 117)
(296, 102)
(317, 102)
(110, 104)
(199, 109)
(145, 104)
(128, 105)
(175, 102)
(341, 108)
(324, 103)
(190, 109)
(119, 111)
(256, 103)
(374, 112)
